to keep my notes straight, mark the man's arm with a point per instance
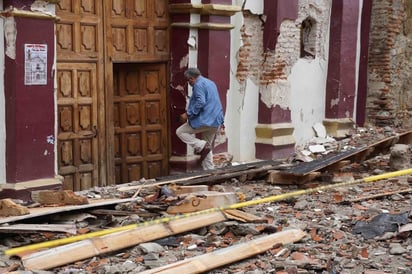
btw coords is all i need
(197, 101)
(183, 117)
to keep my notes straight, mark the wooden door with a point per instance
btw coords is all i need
(112, 119)
(140, 121)
(137, 51)
(80, 96)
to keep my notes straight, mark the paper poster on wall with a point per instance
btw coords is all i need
(35, 64)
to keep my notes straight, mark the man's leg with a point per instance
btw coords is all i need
(187, 134)
(209, 136)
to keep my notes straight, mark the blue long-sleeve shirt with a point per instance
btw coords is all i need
(205, 108)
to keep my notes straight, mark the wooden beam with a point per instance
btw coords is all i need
(221, 257)
(202, 200)
(129, 187)
(358, 154)
(379, 195)
(209, 177)
(32, 228)
(42, 211)
(81, 250)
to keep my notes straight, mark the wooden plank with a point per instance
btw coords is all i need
(249, 172)
(202, 200)
(179, 190)
(308, 167)
(379, 195)
(210, 176)
(279, 178)
(221, 257)
(129, 187)
(29, 228)
(243, 216)
(43, 211)
(77, 251)
(356, 154)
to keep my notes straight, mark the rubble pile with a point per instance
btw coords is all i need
(359, 228)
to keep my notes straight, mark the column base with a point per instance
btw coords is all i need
(274, 141)
(22, 190)
(183, 164)
(338, 128)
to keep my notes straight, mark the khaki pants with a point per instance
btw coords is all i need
(188, 135)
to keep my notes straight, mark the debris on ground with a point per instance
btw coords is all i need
(204, 222)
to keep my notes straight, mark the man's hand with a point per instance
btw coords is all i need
(183, 117)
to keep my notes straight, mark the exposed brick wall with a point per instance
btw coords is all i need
(389, 101)
(273, 67)
(250, 54)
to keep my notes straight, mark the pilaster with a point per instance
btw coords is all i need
(29, 98)
(212, 47)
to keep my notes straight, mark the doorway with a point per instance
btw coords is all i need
(111, 91)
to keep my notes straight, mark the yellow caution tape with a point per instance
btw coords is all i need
(58, 242)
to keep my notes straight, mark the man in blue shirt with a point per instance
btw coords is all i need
(204, 115)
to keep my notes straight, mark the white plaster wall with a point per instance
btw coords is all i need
(308, 76)
(308, 86)
(2, 107)
(242, 102)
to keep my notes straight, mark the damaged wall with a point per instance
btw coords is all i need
(242, 97)
(29, 94)
(284, 77)
(389, 101)
(308, 74)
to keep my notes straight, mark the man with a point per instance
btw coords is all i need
(204, 115)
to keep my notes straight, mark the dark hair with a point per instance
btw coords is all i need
(192, 72)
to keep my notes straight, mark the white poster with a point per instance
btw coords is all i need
(35, 64)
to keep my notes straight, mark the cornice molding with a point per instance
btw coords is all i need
(205, 9)
(13, 12)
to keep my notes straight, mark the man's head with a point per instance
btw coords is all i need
(191, 75)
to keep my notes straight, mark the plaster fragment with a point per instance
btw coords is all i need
(191, 42)
(10, 34)
(43, 7)
(334, 102)
(50, 139)
(320, 130)
(184, 62)
(254, 6)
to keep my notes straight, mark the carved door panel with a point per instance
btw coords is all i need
(137, 30)
(80, 99)
(78, 130)
(140, 121)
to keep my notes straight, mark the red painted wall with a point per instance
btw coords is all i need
(29, 109)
